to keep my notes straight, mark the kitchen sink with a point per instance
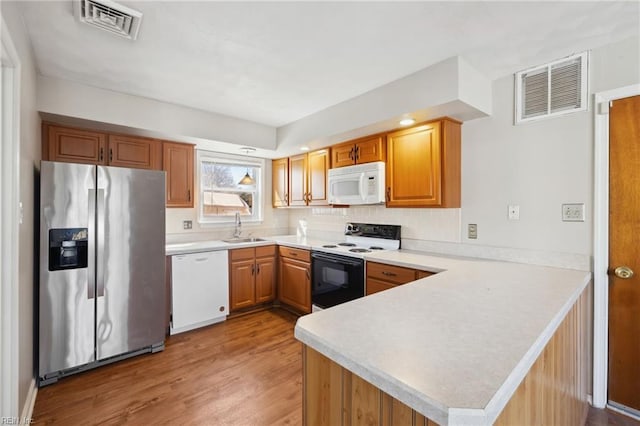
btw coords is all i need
(243, 240)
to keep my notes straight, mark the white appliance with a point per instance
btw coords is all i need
(199, 289)
(359, 184)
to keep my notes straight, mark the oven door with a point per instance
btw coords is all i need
(335, 279)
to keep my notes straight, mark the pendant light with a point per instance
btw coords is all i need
(247, 179)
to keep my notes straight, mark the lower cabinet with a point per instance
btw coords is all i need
(252, 276)
(382, 277)
(294, 283)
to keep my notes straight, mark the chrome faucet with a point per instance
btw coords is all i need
(238, 231)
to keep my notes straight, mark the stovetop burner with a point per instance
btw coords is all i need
(376, 248)
(347, 244)
(359, 250)
(329, 246)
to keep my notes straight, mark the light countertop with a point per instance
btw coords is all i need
(453, 346)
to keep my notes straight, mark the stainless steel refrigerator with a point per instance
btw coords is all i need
(102, 266)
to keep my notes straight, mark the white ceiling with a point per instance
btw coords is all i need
(274, 63)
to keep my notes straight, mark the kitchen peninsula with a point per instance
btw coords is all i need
(479, 343)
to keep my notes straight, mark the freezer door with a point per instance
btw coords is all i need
(130, 260)
(66, 289)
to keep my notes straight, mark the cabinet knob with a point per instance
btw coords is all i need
(389, 274)
(110, 154)
(351, 154)
(357, 153)
(253, 269)
(388, 193)
(307, 272)
(286, 198)
(258, 268)
(101, 154)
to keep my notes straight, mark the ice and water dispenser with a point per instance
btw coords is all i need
(67, 248)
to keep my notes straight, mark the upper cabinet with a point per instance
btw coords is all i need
(301, 180)
(280, 182)
(423, 165)
(73, 145)
(177, 161)
(364, 150)
(135, 152)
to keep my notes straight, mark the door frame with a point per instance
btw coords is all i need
(10, 71)
(601, 239)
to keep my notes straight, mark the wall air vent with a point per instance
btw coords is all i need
(556, 88)
(109, 16)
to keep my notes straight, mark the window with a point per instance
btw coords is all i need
(223, 191)
(559, 87)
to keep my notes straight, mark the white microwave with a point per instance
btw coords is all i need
(359, 184)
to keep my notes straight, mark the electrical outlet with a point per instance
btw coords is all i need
(187, 224)
(472, 231)
(573, 212)
(514, 212)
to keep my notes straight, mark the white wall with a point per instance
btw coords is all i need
(63, 97)
(538, 166)
(29, 161)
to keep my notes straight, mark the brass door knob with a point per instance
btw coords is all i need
(623, 272)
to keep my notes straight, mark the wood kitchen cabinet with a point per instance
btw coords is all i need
(280, 182)
(177, 161)
(423, 165)
(382, 277)
(73, 145)
(252, 276)
(359, 151)
(135, 152)
(294, 278)
(306, 180)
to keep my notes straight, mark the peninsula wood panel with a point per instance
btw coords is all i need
(554, 392)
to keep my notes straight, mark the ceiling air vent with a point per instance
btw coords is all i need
(109, 16)
(559, 87)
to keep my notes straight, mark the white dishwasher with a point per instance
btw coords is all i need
(199, 289)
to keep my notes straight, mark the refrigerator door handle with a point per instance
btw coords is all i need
(100, 221)
(91, 261)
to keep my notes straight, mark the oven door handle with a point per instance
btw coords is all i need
(336, 259)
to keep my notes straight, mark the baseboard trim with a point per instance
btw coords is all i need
(29, 403)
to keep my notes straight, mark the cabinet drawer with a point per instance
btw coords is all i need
(375, 286)
(241, 254)
(393, 274)
(266, 251)
(294, 253)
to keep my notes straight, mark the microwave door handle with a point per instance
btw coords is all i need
(363, 187)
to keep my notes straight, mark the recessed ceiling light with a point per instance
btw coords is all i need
(247, 149)
(407, 121)
(304, 148)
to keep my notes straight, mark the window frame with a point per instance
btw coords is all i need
(235, 160)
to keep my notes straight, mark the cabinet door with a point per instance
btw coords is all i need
(265, 279)
(375, 286)
(343, 155)
(139, 153)
(280, 182)
(295, 284)
(370, 150)
(318, 163)
(75, 145)
(177, 161)
(414, 167)
(298, 180)
(242, 288)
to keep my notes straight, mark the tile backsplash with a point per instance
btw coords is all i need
(420, 224)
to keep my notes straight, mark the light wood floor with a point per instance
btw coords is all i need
(245, 371)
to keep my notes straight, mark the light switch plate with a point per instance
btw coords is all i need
(514, 212)
(187, 224)
(573, 212)
(472, 231)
